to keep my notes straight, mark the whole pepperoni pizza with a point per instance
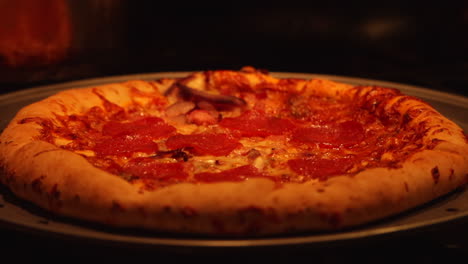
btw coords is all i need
(232, 153)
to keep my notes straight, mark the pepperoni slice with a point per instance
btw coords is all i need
(346, 133)
(204, 143)
(257, 124)
(123, 139)
(237, 174)
(153, 127)
(124, 146)
(148, 168)
(318, 168)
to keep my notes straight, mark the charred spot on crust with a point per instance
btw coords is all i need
(54, 198)
(248, 212)
(167, 209)
(407, 118)
(46, 124)
(452, 174)
(333, 219)
(117, 207)
(434, 143)
(36, 184)
(411, 114)
(29, 120)
(439, 130)
(219, 226)
(54, 192)
(189, 212)
(435, 174)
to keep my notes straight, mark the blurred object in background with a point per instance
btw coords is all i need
(55, 40)
(34, 33)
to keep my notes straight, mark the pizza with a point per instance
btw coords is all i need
(224, 152)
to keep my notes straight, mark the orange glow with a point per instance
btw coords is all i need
(33, 33)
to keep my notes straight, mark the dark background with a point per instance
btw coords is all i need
(422, 43)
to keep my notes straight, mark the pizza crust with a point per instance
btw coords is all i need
(67, 184)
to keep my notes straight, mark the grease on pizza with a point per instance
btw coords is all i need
(232, 153)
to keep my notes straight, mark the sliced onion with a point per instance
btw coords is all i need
(206, 96)
(180, 108)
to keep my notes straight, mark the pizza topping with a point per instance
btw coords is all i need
(124, 145)
(252, 154)
(217, 99)
(177, 154)
(237, 174)
(320, 168)
(127, 138)
(256, 123)
(260, 128)
(179, 108)
(152, 127)
(318, 110)
(298, 106)
(347, 133)
(152, 169)
(202, 117)
(204, 143)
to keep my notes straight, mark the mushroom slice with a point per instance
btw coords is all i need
(216, 99)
